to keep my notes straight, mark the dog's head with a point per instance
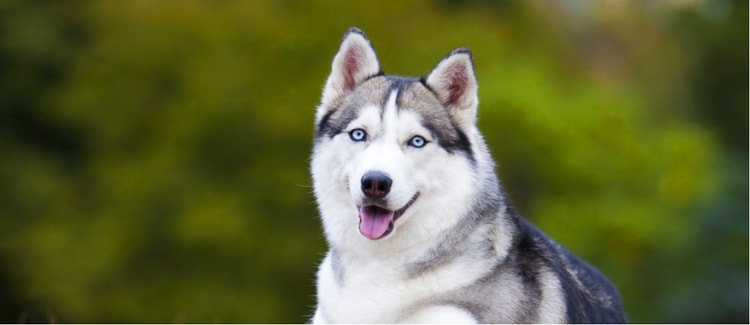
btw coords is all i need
(394, 154)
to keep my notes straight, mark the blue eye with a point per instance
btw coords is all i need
(358, 135)
(417, 142)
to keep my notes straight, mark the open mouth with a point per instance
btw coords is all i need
(376, 222)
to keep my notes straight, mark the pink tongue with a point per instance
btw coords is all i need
(374, 221)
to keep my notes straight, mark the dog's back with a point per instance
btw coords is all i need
(589, 297)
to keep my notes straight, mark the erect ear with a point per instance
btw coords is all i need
(354, 63)
(454, 83)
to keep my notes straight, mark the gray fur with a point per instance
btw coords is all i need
(338, 268)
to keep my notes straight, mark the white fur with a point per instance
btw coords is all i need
(374, 291)
(443, 314)
(552, 307)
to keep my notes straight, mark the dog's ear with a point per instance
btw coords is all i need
(454, 83)
(354, 63)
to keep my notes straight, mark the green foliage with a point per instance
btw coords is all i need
(156, 153)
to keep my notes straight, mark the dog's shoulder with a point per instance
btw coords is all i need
(589, 295)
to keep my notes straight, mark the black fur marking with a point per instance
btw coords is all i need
(462, 50)
(355, 30)
(399, 82)
(379, 74)
(423, 81)
(526, 256)
(590, 297)
(324, 125)
(453, 142)
(334, 122)
(461, 144)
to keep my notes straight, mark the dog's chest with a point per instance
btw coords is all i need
(377, 292)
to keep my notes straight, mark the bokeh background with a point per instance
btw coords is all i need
(155, 153)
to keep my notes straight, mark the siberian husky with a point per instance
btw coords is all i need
(418, 226)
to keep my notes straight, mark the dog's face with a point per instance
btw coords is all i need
(390, 150)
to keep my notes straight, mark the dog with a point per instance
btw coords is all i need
(418, 226)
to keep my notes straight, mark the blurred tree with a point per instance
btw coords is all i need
(39, 42)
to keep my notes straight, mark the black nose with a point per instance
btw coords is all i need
(376, 185)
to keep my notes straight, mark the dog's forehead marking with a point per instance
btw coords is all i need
(390, 114)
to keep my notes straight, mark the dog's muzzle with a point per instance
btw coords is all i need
(376, 222)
